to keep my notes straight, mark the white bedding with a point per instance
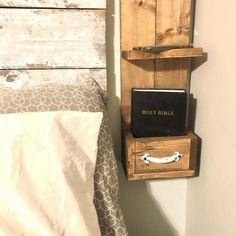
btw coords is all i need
(47, 163)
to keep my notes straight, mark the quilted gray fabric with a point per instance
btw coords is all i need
(54, 97)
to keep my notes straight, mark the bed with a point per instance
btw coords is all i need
(58, 170)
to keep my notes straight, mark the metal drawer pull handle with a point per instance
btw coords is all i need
(146, 158)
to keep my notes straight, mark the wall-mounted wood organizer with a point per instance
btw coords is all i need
(156, 22)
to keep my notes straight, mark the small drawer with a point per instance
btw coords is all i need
(160, 157)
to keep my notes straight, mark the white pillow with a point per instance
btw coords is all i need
(47, 164)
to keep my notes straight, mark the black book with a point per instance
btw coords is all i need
(158, 112)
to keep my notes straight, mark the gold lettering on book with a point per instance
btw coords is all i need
(165, 113)
(158, 112)
(149, 112)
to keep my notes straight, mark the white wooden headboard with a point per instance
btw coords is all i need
(53, 38)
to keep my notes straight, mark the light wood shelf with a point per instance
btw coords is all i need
(171, 53)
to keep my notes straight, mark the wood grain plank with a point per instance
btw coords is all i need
(130, 150)
(173, 26)
(54, 3)
(49, 38)
(173, 22)
(172, 53)
(172, 73)
(137, 28)
(18, 78)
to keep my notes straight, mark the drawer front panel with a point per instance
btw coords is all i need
(161, 149)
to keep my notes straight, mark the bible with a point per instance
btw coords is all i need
(158, 112)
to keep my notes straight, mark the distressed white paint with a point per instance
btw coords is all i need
(55, 3)
(21, 78)
(50, 38)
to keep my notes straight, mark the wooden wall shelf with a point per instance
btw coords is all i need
(165, 23)
(172, 53)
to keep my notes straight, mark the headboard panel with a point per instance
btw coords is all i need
(55, 3)
(49, 38)
(40, 40)
(54, 75)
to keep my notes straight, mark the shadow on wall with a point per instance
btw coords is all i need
(112, 77)
(143, 214)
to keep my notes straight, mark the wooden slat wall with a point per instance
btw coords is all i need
(150, 22)
(61, 42)
(173, 22)
(55, 3)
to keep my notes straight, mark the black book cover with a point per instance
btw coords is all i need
(158, 112)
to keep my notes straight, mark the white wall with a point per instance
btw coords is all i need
(150, 207)
(211, 208)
